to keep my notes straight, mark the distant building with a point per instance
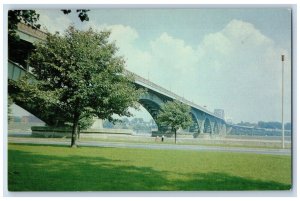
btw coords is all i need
(219, 113)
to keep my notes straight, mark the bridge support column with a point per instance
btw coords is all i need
(201, 123)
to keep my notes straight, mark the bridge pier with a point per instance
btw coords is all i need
(201, 123)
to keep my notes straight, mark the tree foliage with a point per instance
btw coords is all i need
(79, 76)
(82, 13)
(175, 115)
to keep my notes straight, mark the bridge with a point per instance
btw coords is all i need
(204, 121)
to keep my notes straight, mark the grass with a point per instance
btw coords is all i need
(59, 168)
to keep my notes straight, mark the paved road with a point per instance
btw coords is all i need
(56, 141)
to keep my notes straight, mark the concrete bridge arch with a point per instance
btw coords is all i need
(152, 103)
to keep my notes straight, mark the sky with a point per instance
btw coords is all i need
(219, 58)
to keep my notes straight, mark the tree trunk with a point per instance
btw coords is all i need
(75, 131)
(175, 135)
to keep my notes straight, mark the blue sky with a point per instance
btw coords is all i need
(221, 58)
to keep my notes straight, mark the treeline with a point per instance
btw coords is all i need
(266, 125)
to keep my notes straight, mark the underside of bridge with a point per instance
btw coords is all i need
(152, 102)
(151, 107)
(19, 51)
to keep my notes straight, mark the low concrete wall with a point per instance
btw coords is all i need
(65, 132)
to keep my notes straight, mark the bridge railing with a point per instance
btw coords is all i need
(155, 86)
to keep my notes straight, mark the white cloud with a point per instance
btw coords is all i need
(216, 44)
(245, 33)
(173, 53)
(125, 38)
(53, 22)
(123, 35)
(243, 72)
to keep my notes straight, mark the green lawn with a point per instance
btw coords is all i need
(59, 168)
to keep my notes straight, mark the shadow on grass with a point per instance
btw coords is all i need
(35, 172)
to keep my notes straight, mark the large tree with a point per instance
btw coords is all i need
(175, 115)
(78, 76)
